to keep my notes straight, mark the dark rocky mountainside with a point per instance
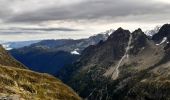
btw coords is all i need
(163, 32)
(127, 66)
(18, 83)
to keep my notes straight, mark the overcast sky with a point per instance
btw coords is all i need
(56, 19)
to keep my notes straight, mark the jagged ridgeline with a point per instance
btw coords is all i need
(127, 66)
(17, 82)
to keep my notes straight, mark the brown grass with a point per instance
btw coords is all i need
(30, 85)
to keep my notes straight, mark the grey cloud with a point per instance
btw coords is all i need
(37, 13)
(96, 9)
(46, 29)
(14, 31)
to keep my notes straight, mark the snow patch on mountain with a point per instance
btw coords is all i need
(6, 46)
(163, 40)
(75, 52)
(108, 32)
(116, 72)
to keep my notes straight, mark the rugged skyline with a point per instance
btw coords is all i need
(56, 19)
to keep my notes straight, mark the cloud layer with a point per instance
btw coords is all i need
(41, 10)
(42, 13)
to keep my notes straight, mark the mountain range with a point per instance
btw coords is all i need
(17, 44)
(49, 56)
(127, 66)
(117, 65)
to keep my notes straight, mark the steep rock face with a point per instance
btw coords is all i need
(163, 32)
(100, 53)
(19, 83)
(163, 37)
(136, 61)
(139, 41)
(151, 67)
(97, 64)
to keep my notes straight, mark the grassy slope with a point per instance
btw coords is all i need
(15, 79)
(33, 86)
(7, 60)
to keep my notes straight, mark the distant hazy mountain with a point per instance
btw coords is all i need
(1, 41)
(50, 56)
(127, 66)
(16, 45)
(70, 45)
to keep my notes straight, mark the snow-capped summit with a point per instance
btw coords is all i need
(153, 31)
(108, 32)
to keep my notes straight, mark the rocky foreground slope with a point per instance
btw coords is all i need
(127, 66)
(17, 82)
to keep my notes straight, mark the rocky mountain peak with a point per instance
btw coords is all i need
(126, 63)
(153, 31)
(127, 66)
(119, 34)
(163, 32)
(138, 31)
(139, 41)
